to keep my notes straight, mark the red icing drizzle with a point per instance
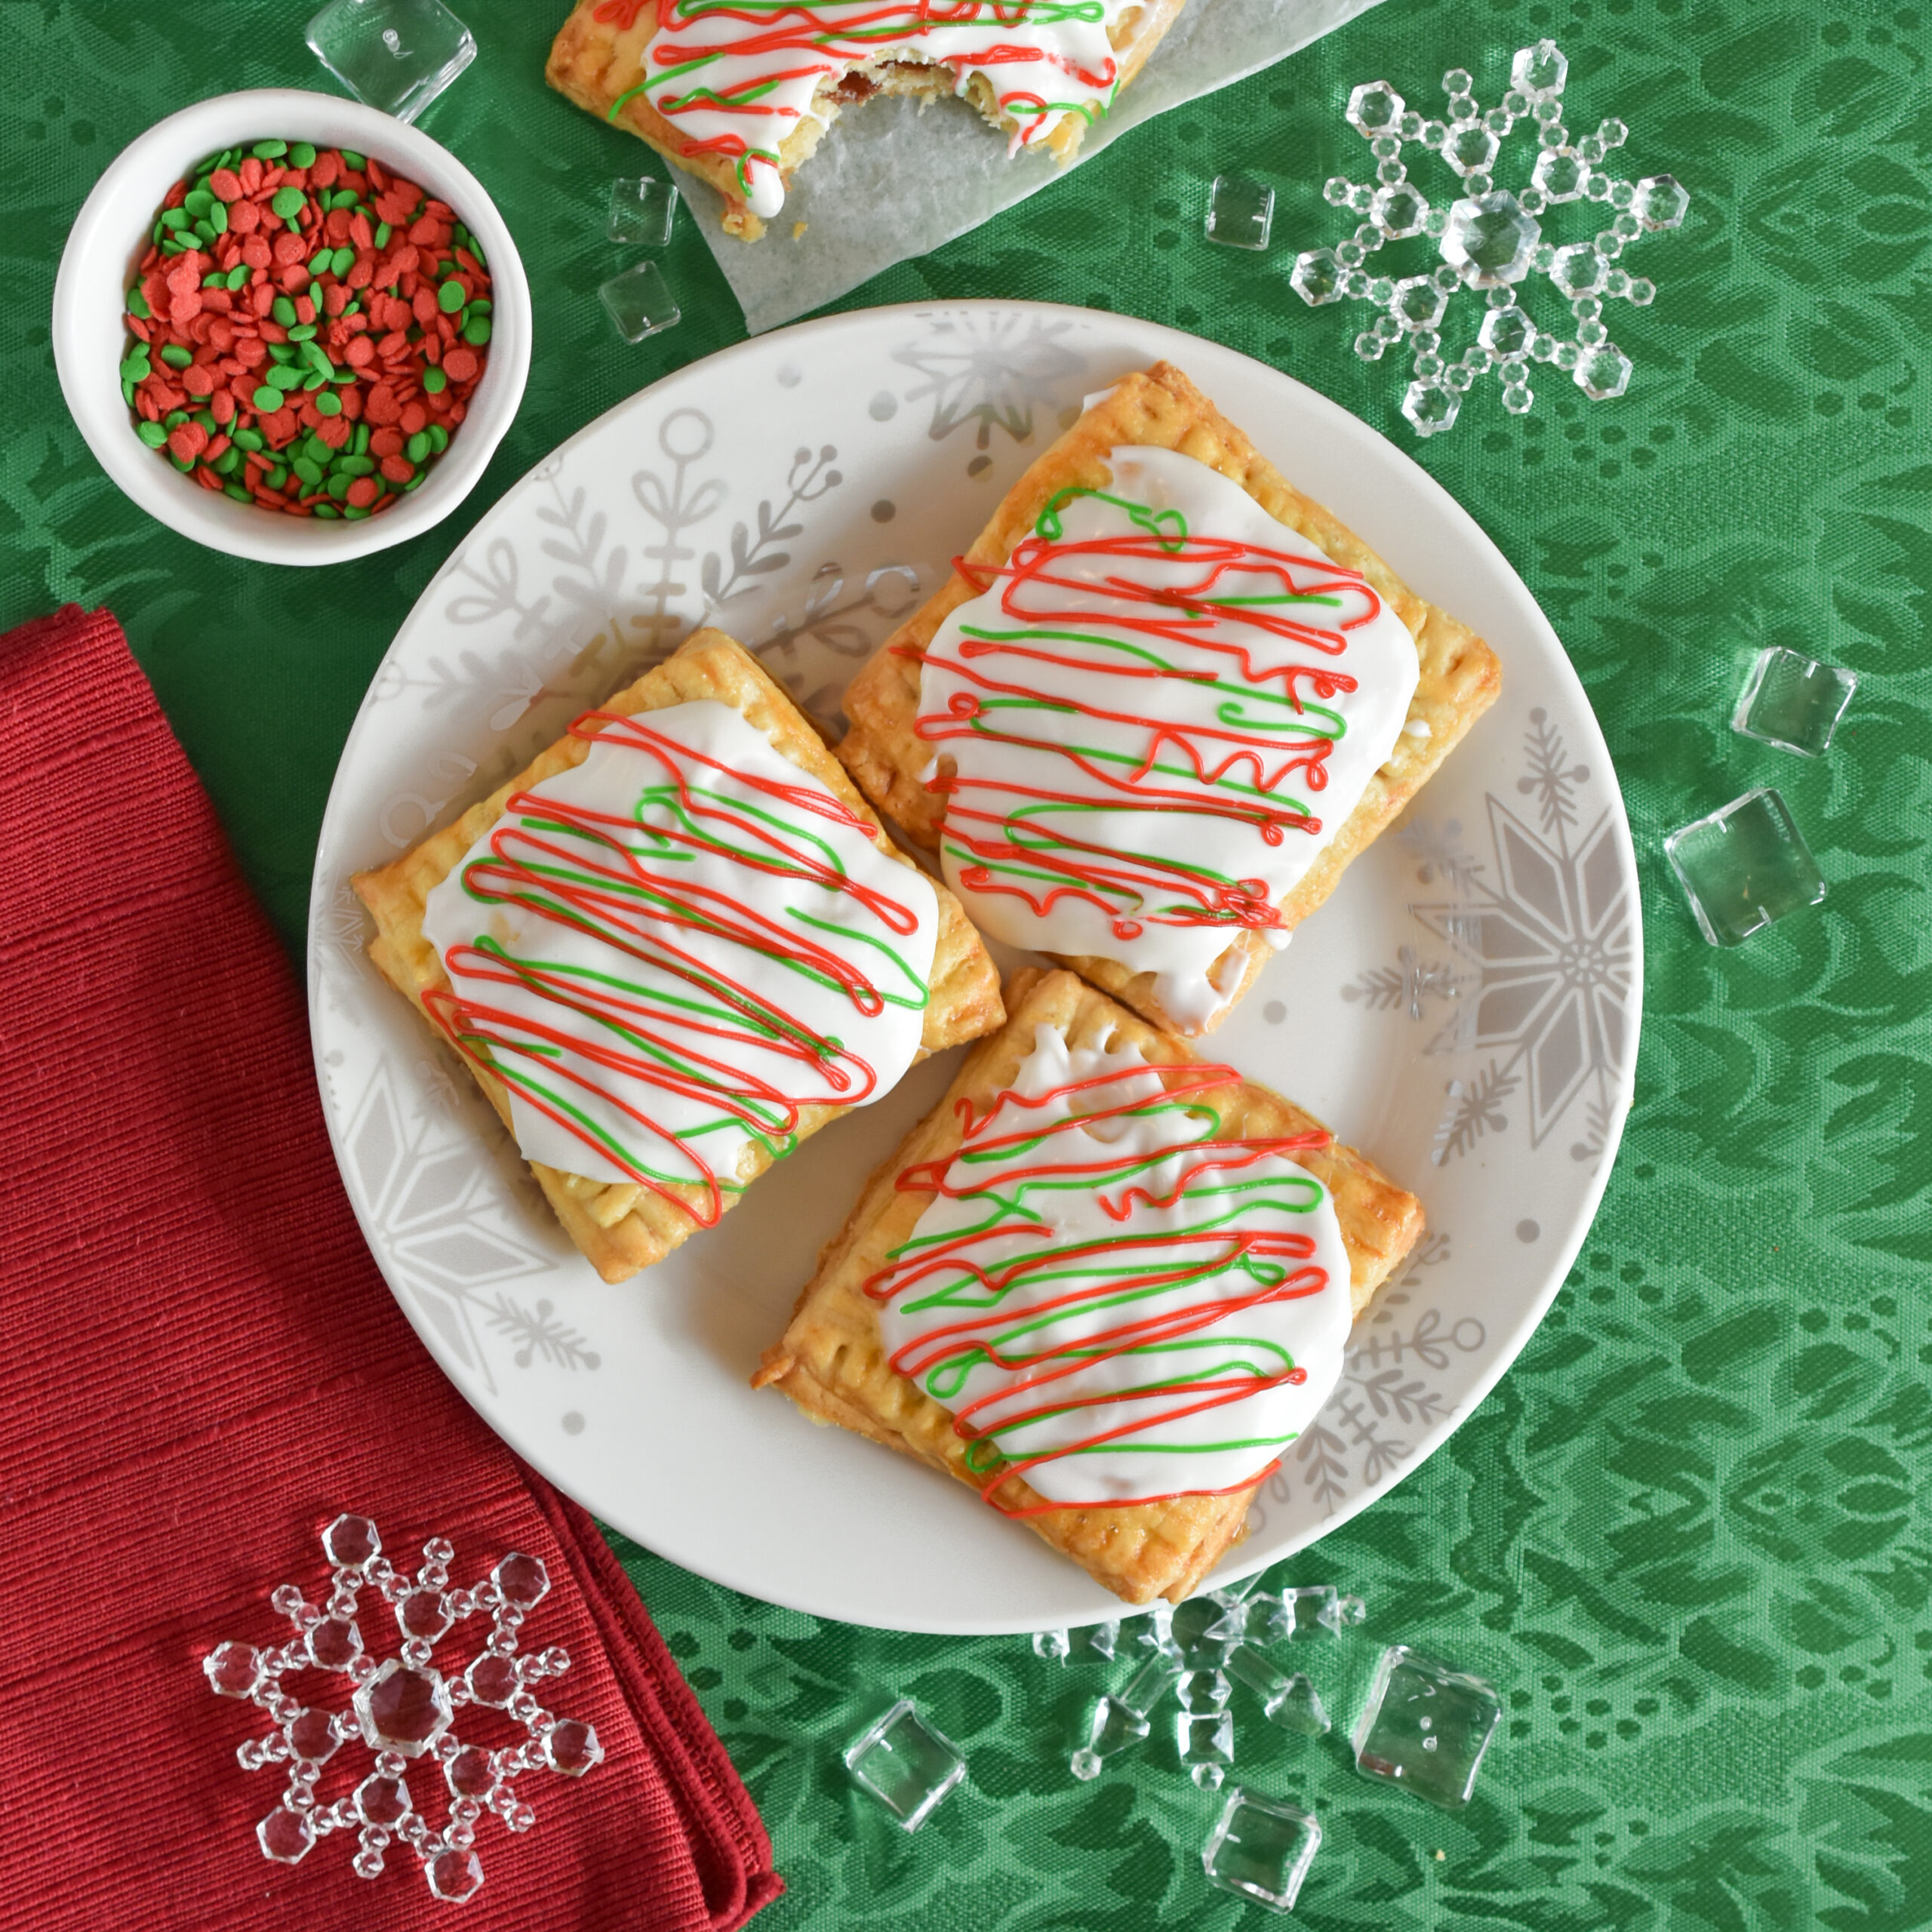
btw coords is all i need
(1210, 612)
(1180, 1256)
(569, 865)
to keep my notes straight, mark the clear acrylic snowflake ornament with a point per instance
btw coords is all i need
(1490, 237)
(404, 1709)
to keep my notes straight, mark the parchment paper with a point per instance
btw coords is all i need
(889, 181)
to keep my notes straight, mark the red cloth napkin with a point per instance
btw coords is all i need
(204, 1367)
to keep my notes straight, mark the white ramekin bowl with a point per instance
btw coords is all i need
(111, 234)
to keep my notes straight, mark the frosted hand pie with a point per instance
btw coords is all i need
(740, 96)
(671, 948)
(1104, 1282)
(1162, 702)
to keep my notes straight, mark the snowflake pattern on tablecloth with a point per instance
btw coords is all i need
(404, 1708)
(1489, 239)
(1540, 980)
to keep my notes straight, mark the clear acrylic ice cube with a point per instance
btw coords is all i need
(395, 55)
(640, 302)
(1791, 701)
(1051, 1644)
(641, 212)
(1156, 1676)
(905, 1763)
(1203, 1690)
(1288, 1701)
(1260, 1849)
(1206, 1742)
(1115, 1726)
(1744, 867)
(1425, 1727)
(1240, 212)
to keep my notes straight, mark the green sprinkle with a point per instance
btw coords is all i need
(342, 261)
(136, 369)
(217, 219)
(482, 306)
(359, 442)
(345, 376)
(302, 155)
(205, 417)
(152, 434)
(354, 159)
(283, 310)
(288, 202)
(415, 482)
(289, 376)
(316, 451)
(328, 404)
(137, 304)
(476, 249)
(175, 418)
(328, 510)
(317, 358)
(216, 279)
(269, 150)
(184, 467)
(450, 296)
(434, 382)
(311, 473)
(383, 232)
(127, 392)
(198, 202)
(171, 247)
(343, 198)
(237, 276)
(250, 439)
(175, 218)
(176, 357)
(228, 462)
(356, 466)
(277, 477)
(267, 398)
(417, 447)
(476, 330)
(337, 485)
(280, 351)
(439, 438)
(239, 491)
(204, 233)
(303, 332)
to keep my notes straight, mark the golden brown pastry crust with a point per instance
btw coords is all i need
(1161, 409)
(595, 64)
(832, 1363)
(621, 1227)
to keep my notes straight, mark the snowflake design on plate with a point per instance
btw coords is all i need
(990, 370)
(1546, 959)
(1491, 238)
(403, 1708)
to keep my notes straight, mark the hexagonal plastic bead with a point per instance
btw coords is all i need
(232, 1670)
(492, 1680)
(1660, 202)
(1374, 108)
(351, 1542)
(1602, 371)
(470, 1773)
(285, 1836)
(422, 1614)
(570, 1747)
(1559, 173)
(1418, 304)
(1470, 148)
(521, 1579)
(1579, 270)
(1539, 71)
(454, 1876)
(381, 1801)
(1431, 407)
(1399, 211)
(404, 1709)
(311, 1737)
(334, 1644)
(1490, 240)
(1317, 277)
(1507, 334)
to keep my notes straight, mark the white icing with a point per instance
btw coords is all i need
(1045, 62)
(692, 1129)
(1175, 941)
(1272, 1195)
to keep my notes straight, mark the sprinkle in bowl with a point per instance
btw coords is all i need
(111, 234)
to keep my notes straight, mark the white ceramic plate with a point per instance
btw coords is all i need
(1464, 1008)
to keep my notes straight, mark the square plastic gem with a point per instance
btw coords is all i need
(1206, 1742)
(640, 302)
(1261, 1849)
(1425, 1727)
(396, 55)
(641, 212)
(1744, 867)
(906, 1764)
(1115, 1726)
(1240, 212)
(1791, 702)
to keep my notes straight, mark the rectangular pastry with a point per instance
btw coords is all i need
(740, 97)
(673, 947)
(1104, 1282)
(1161, 703)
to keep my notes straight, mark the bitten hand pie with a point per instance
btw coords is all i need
(671, 948)
(1104, 1282)
(1162, 702)
(740, 97)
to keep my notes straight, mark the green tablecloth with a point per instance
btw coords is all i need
(1683, 1536)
